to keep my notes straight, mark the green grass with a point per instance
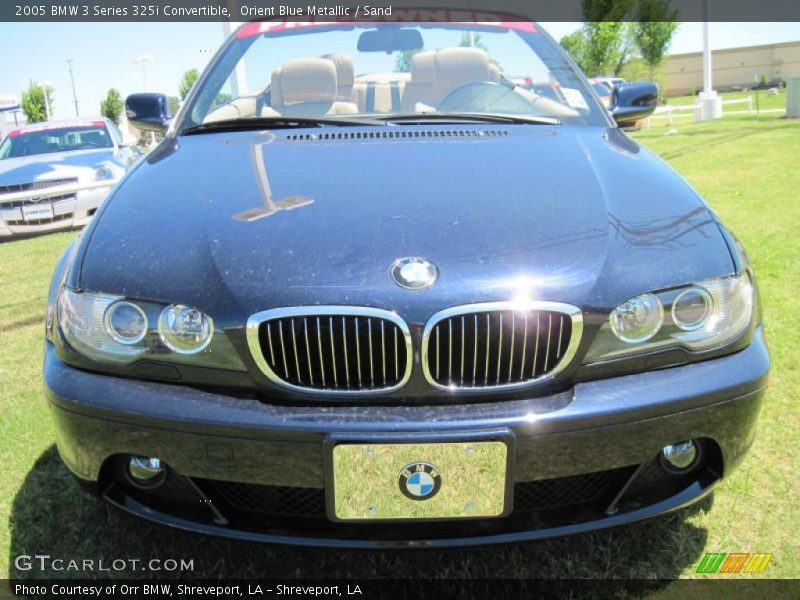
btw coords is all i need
(748, 170)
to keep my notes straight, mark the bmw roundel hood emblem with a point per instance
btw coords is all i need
(420, 481)
(414, 273)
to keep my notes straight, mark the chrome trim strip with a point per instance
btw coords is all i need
(573, 312)
(255, 321)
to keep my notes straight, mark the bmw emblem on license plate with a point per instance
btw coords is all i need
(420, 481)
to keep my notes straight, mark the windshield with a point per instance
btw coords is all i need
(381, 70)
(48, 139)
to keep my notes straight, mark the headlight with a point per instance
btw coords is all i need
(82, 318)
(103, 172)
(706, 315)
(125, 322)
(113, 329)
(638, 319)
(185, 330)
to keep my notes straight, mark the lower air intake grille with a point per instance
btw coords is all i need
(499, 344)
(332, 349)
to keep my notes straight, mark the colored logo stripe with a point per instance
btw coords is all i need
(735, 562)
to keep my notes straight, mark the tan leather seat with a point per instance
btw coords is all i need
(307, 87)
(422, 87)
(458, 66)
(242, 108)
(345, 76)
(435, 74)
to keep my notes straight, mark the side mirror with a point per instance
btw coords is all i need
(148, 112)
(633, 101)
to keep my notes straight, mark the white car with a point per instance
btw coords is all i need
(55, 175)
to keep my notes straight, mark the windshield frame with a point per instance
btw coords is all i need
(223, 63)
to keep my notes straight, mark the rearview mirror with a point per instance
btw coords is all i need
(390, 40)
(633, 101)
(148, 112)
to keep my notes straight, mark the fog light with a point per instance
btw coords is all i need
(146, 472)
(681, 457)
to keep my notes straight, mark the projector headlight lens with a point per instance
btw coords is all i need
(691, 309)
(126, 323)
(185, 330)
(638, 319)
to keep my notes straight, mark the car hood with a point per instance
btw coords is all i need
(234, 223)
(55, 165)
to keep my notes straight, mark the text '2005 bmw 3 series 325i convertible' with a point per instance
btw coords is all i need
(370, 279)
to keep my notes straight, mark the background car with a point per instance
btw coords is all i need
(54, 175)
(603, 89)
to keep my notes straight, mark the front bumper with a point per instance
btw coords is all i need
(73, 206)
(609, 429)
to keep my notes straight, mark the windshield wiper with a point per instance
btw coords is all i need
(277, 122)
(449, 117)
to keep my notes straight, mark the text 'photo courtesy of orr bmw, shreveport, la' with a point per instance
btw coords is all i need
(406, 273)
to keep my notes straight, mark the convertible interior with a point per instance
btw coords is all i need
(328, 85)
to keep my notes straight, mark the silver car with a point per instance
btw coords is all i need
(55, 175)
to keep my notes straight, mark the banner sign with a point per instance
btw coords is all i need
(8, 103)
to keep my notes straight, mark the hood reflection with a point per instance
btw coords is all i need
(271, 206)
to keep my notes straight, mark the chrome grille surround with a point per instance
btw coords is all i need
(329, 348)
(506, 379)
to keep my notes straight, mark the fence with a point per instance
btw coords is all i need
(671, 111)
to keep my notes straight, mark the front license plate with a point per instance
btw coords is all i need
(34, 212)
(441, 480)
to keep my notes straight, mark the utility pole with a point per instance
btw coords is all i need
(72, 78)
(143, 60)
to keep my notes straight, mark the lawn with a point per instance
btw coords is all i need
(747, 167)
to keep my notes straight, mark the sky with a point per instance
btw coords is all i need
(103, 54)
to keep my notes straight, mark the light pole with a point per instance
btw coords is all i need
(143, 60)
(72, 78)
(710, 104)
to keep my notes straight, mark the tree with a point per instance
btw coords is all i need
(575, 45)
(33, 102)
(173, 104)
(470, 39)
(402, 63)
(605, 10)
(112, 106)
(626, 50)
(603, 44)
(603, 39)
(654, 30)
(187, 81)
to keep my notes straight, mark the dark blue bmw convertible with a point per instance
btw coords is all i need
(368, 279)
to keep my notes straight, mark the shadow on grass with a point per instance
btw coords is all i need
(52, 515)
